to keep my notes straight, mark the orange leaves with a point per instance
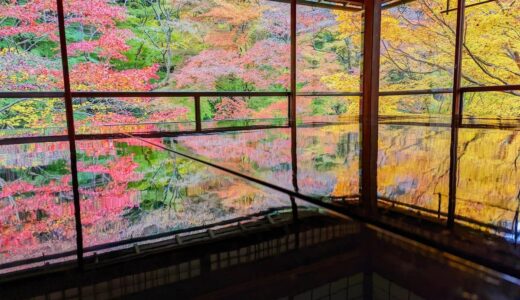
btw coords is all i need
(233, 13)
(100, 77)
(224, 40)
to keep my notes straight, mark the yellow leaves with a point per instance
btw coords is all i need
(29, 113)
(492, 105)
(492, 39)
(349, 24)
(414, 162)
(80, 86)
(346, 183)
(42, 79)
(342, 81)
(487, 171)
(8, 50)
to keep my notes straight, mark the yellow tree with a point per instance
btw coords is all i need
(417, 50)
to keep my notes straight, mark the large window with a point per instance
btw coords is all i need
(30, 57)
(417, 46)
(329, 63)
(418, 53)
(178, 45)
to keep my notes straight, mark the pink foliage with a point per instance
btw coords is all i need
(113, 119)
(204, 69)
(174, 114)
(241, 150)
(275, 110)
(21, 207)
(232, 109)
(111, 45)
(264, 64)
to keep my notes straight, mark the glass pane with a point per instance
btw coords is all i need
(487, 187)
(417, 46)
(416, 108)
(113, 115)
(178, 45)
(36, 202)
(491, 53)
(316, 109)
(495, 108)
(131, 189)
(30, 57)
(243, 111)
(21, 117)
(329, 50)
(413, 168)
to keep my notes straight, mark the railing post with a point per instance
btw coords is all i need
(292, 99)
(71, 132)
(198, 120)
(289, 110)
(456, 113)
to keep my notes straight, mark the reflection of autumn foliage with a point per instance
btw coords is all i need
(114, 204)
(413, 168)
(106, 196)
(413, 164)
(33, 218)
(323, 154)
(490, 193)
(243, 150)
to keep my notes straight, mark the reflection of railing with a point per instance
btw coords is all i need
(131, 241)
(439, 213)
(195, 95)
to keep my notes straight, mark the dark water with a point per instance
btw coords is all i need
(323, 257)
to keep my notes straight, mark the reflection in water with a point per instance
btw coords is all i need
(36, 210)
(488, 187)
(413, 166)
(130, 189)
(327, 157)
